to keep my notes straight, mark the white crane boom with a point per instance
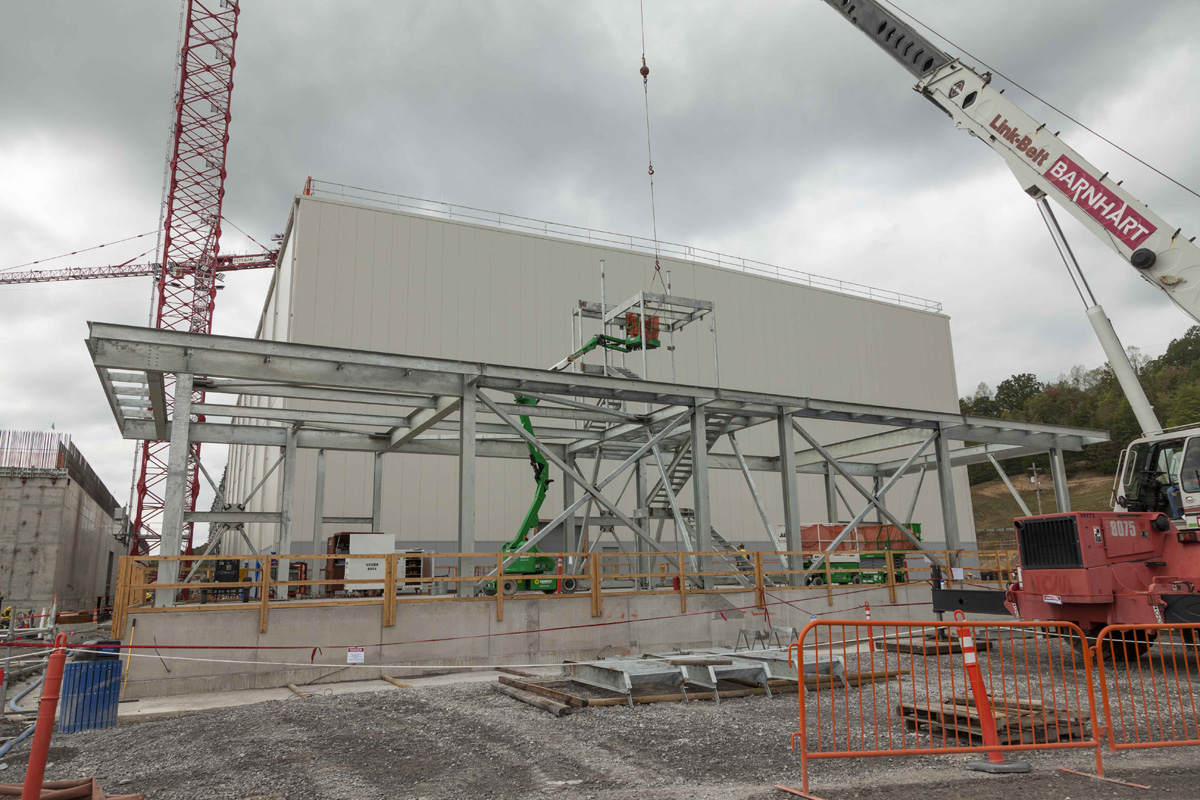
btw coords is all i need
(1047, 168)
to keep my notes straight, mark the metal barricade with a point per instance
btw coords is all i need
(907, 689)
(1149, 679)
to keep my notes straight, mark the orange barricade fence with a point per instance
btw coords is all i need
(911, 692)
(1149, 678)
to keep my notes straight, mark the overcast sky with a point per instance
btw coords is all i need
(780, 134)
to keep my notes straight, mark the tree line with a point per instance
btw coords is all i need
(1092, 398)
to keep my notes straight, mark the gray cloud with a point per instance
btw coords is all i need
(779, 132)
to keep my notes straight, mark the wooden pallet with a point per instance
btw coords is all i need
(1017, 722)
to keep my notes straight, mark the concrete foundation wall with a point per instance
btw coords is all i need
(55, 540)
(535, 630)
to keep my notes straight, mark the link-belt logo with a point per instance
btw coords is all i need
(1022, 143)
(1101, 205)
(1122, 528)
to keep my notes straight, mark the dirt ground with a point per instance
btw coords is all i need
(465, 740)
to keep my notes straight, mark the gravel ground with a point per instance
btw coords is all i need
(467, 741)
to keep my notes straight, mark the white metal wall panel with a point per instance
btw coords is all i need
(377, 279)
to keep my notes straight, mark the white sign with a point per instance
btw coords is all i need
(1053, 599)
(958, 573)
(355, 655)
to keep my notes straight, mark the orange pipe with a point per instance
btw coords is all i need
(47, 706)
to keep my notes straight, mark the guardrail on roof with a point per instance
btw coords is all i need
(685, 252)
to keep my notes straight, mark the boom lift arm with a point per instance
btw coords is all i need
(531, 563)
(1047, 168)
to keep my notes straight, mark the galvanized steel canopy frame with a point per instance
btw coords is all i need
(465, 409)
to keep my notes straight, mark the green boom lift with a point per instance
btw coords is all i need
(523, 571)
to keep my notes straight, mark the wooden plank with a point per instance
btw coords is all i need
(544, 703)
(389, 591)
(544, 691)
(395, 682)
(264, 584)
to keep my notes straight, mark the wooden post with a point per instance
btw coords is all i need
(499, 587)
(121, 598)
(996, 561)
(597, 603)
(264, 588)
(682, 582)
(891, 575)
(760, 593)
(389, 591)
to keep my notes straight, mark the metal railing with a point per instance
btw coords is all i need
(684, 252)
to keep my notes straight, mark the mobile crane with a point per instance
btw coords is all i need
(1139, 562)
(526, 571)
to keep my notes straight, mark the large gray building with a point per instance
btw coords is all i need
(357, 275)
(58, 525)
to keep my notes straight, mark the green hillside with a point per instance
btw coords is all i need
(995, 508)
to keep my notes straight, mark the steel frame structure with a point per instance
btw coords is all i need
(186, 289)
(445, 407)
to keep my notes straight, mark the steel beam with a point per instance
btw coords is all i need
(158, 403)
(1011, 489)
(758, 501)
(132, 348)
(858, 487)
(875, 443)
(422, 420)
(234, 517)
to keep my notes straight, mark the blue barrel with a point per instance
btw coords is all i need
(90, 693)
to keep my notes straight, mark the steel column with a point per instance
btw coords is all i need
(466, 481)
(640, 501)
(377, 494)
(703, 509)
(318, 534)
(1058, 473)
(287, 496)
(791, 491)
(570, 529)
(832, 512)
(945, 478)
(178, 498)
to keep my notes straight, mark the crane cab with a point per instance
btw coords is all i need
(1161, 474)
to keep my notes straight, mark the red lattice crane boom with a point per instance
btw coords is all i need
(195, 187)
(129, 270)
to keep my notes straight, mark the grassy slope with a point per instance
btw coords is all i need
(995, 507)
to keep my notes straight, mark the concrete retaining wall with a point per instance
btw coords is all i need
(535, 630)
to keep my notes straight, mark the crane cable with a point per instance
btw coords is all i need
(76, 252)
(645, 73)
(1046, 103)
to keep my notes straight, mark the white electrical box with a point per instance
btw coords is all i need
(361, 569)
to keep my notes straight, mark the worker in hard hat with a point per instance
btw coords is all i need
(745, 563)
(6, 618)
